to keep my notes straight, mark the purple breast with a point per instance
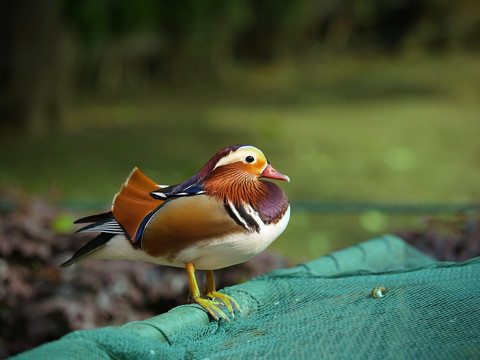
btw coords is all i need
(275, 204)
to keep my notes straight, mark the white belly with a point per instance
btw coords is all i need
(233, 249)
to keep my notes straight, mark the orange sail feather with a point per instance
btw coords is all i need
(133, 203)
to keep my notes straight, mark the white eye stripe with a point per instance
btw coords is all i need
(240, 155)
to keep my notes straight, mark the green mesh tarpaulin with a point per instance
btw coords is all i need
(323, 309)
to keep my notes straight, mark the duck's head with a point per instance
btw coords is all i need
(234, 172)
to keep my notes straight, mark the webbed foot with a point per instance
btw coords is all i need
(226, 300)
(213, 307)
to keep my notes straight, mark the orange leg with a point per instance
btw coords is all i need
(229, 301)
(212, 306)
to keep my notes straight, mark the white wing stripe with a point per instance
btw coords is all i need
(112, 227)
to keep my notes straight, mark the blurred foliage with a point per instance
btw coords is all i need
(454, 238)
(165, 41)
(57, 48)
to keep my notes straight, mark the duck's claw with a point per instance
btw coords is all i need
(227, 300)
(213, 308)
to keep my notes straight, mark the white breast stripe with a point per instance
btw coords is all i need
(238, 217)
(250, 211)
(247, 217)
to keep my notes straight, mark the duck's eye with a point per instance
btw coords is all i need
(249, 159)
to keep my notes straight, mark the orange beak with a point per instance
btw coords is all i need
(271, 173)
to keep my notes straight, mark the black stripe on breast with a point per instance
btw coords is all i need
(254, 226)
(243, 219)
(234, 217)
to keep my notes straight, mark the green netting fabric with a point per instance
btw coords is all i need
(320, 309)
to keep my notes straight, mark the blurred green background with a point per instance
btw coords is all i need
(355, 100)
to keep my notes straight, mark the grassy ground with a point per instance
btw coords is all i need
(398, 130)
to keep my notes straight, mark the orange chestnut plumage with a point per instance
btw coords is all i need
(223, 215)
(235, 183)
(134, 202)
(229, 183)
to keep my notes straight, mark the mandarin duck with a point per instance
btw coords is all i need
(223, 215)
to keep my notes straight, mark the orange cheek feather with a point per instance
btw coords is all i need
(254, 169)
(236, 183)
